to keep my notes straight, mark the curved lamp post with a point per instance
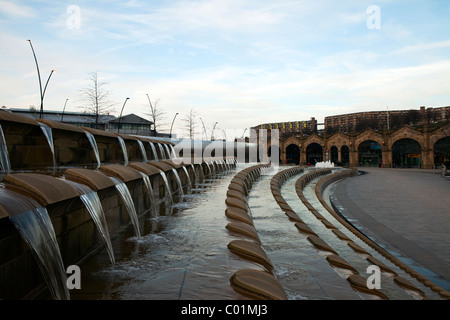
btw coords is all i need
(172, 125)
(204, 129)
(42, 91)
(121, 111)
(64, 109)
(212, 131)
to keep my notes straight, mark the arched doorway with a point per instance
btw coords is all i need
(334, 154)
(314, 153)
(293, 154)
(345, 156)
(442, 152)
(369, 154)
(406, 153)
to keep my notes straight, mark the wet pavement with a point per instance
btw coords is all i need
(406, 211)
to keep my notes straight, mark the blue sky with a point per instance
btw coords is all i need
(238, 63)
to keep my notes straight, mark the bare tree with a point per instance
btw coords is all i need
(156, 114)
(189, 123)
(96, 97)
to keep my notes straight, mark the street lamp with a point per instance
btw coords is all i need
(172, 125)
(212, 131)
(62, 116)
(120, 118)
(40, 82)
(204, 129)
(153, 113)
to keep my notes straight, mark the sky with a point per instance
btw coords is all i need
(235, 63)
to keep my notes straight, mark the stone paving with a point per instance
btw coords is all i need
(406, 211)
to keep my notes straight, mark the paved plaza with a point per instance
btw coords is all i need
(407, 211)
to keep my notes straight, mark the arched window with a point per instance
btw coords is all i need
(406, 153)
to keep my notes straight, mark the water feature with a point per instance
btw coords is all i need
(37, 230)
(166, 183)
(209, 168)
(94, 146)
(144, 154)
(172, 152)
(4, 156)
(184, 257)
(325, 164)
(166, 147)
(93, 204)
(188, 178)
(195, 174)
(49, 135)
(128, 201)
(178, 180)
(124, 149)
(152, 199)
(161, 151)
(155, 154)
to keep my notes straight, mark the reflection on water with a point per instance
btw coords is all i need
(179, 256)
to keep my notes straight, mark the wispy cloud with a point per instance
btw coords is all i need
(15, 9)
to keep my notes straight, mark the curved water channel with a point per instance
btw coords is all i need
(184, 255)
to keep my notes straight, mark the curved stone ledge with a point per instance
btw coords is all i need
(92, 178)
(125, 174)
(359, 283)
(293, 216)
(339, 262)
(146, 168)
(304, 228)
(320, 244)
(244, 229)
(251, 251)
(238, 214)
(257, 284)
(44, 189)
(235, 202)
(402, 282)
(236, 194)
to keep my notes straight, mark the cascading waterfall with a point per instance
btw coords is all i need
(195, 172)
(124, 149)
(94, 206)
(49, 135)
(209, 168)
(180, 185)
(187, 176)
(94, 146)
(155, 154)
(172, 152)
(144, 154)
(166, 183)
(4, 156)
(161, 151)
(166, 147)
(36, 228)
(152, 199)
(128, 201)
